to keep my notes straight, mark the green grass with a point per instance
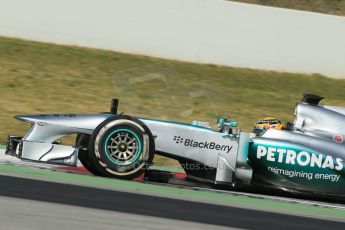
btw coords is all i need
(336, 7)
(46, 78)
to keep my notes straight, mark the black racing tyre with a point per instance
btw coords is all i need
(82, 141)
(121, 147)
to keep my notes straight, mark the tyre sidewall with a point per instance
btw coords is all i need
(104, 162)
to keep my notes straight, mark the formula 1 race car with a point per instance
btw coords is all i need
(306, 157)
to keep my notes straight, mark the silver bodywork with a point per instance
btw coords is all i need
(316, 126)
(196, 142)
(320, 121)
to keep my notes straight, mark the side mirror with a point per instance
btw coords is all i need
(226, 122)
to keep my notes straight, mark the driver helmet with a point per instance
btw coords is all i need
(267, 123)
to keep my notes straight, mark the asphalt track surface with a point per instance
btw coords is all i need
(32, 215)
(167, 213)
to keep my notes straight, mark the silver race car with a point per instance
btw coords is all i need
(306, 156)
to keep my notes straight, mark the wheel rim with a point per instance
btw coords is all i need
(123, 147)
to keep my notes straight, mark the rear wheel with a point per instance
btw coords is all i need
(121, 147)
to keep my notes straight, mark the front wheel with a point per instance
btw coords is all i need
(121, 147)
